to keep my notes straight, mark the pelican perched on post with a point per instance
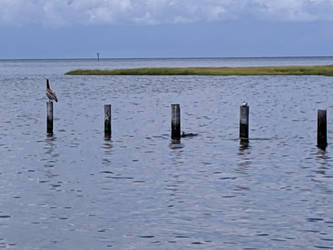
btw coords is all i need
(49, 93)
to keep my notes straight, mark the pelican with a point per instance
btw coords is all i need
(49, 93)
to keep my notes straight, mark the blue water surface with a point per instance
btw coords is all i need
(76, 190)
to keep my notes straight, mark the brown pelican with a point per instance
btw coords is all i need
(49, 93)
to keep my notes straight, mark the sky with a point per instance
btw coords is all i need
(165, 28)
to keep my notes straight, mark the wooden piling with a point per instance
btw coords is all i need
(175, 123)
(107, 121)
(322, 129)
(244, 122)
(49, 118)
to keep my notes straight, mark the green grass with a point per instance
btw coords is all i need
(326, 70)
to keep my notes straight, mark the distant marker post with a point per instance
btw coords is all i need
(107, 121)
(175, 123)
(322, 129)
(244, 122)
(49, 119)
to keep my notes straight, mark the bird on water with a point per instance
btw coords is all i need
(50, 93)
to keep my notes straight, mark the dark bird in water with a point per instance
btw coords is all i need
(49, 93)
(188, 134)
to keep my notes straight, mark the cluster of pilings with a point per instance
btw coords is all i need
(175, 124)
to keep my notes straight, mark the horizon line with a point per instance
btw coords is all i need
(156, 58)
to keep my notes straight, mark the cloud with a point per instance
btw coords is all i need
(71, 12)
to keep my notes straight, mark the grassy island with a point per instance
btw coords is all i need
(324, 70)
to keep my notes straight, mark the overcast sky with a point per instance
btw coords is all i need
(165, 28)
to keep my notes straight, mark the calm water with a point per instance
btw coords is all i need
(77, 191)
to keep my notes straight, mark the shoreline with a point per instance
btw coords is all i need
(323, 70)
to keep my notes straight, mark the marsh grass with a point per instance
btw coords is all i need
(325, 70)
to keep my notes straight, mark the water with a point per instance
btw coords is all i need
(77, 191)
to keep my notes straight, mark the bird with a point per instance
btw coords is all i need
(188, 134)
(49, 93)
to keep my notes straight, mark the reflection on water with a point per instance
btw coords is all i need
(137, 190)
(243, 145)
(50, 152)
(107, 147)
(245, 157)
(324, 163)
(50, 144)
(176, 144)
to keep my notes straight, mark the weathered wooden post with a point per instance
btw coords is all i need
(49, 119)
(244, 122)
(175, 123)
(107, 121)
(322, 129)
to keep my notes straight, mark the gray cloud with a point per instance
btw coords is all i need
(71, 12)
